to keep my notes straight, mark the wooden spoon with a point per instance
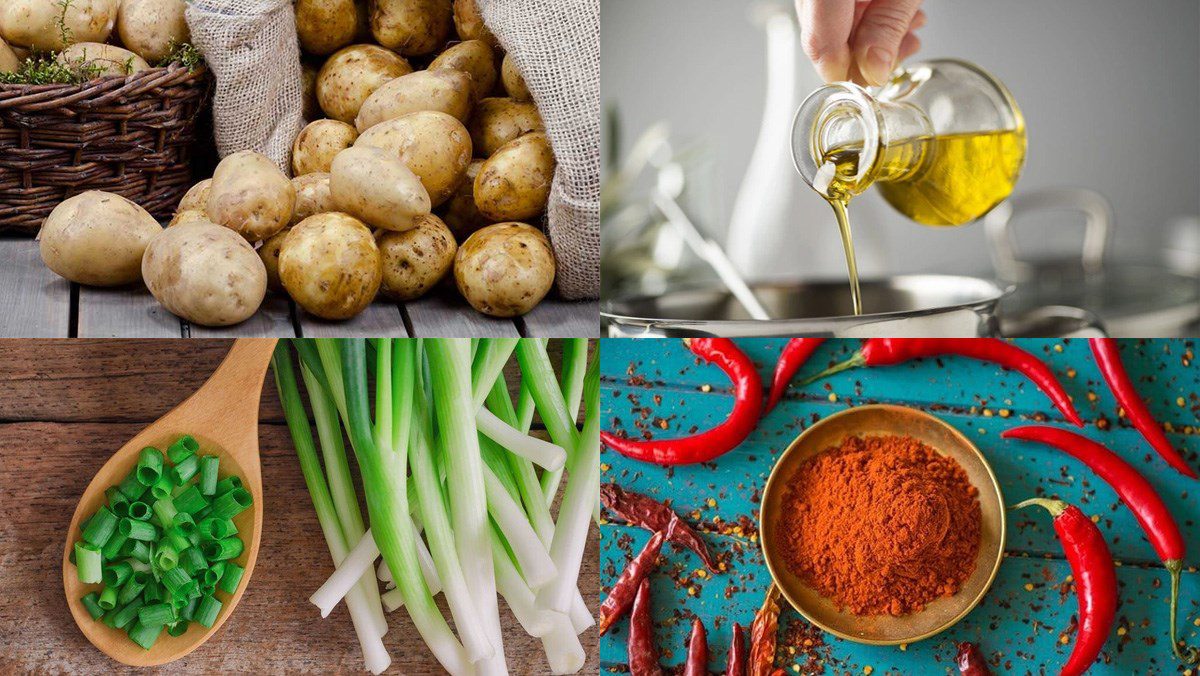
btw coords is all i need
(223, 416)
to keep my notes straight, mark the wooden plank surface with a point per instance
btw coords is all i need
(447, 315)
(34, 302)
(125, 312)
(554, 318)
(82, 400)
(1024, 618)
(380, 319)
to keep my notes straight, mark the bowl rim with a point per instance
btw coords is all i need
(764, 537)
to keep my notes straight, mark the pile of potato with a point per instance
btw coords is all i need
(81, 32)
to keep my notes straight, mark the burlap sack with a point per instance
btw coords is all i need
(556, 46)
(252, 50)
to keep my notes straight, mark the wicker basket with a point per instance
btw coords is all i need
(131, 135)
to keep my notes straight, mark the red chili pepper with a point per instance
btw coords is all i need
(645, 511)
(794, 355)
(643, 653)
(889, 351)
(970, 660)
(620, 598)
(1095, 580)
(762, 635)
(1136, 492)
(736, 666)
(1108, 358)
(697, 652)
(703, 447)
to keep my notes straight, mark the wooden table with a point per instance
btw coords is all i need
(1025, 623)
(65, 405)
(36, 303)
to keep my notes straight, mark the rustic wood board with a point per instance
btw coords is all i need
(444, 314)
(554, 318)
(128, 311)
(35, 302)
(66, 405)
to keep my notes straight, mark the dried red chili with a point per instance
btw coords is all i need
(1108, 358)
(620, 598)
(697, 651)
(791, 358)
(706, 446)
(1136, 492)
(1095, 580)
(646, 512)
(762, 635)
(643, 653)
(970, 660)
(889, 351)
(736, 665)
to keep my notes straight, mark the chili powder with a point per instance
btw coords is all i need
(881, 525)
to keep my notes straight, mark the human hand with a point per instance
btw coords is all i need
(859, 40)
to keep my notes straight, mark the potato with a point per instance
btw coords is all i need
(102, 60)
(312, 196)
(187, 216)
(309, 108)
(514, 183)
(374, 186)
(316, 145)
(415, 260)
(35, 24)
(196, 197)
(97, 238)
(330, 265)
(499, 120)
(459, 212)
(514, 82)
(9, 61)
(435, 146)
(250, 195)
(350, 75)
(411, 27)
(447, 91)
(325, 26)
(505, 269)
(149, 28)
(269, 253)
(473, 57)
(205, 273)
(468, 23)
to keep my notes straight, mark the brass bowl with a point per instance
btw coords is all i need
(877, 420)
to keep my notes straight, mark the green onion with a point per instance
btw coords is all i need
(139, 511)
(220, 550)
(184, 523)
(231, 504)
(149, 466)
(143, 635)
(118, 502)
(177, 539)
(231, 577)
(123, 617)
(157, 614)
(551, 406)
(133, 587)
(227, 484)
(138, 530)
(100, 527)
(88, 563)
(192, 560)
(116, 574)
(208, 474)
(108, 598)
(183, 448)
(175, 580)
(131, 487)
(191, 500)
(92, 605)
(189, 611)
(165, 511)
(182, 472)
(153, 593)
(162, 488)
(178, 628)
(213, 528)
(206, 612)
(139, 550)
(166, 557)
(112, 548)
(212, 575)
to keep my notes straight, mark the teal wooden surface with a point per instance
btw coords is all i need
(1025, 618)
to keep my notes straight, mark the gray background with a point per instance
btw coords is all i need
(1110, 91)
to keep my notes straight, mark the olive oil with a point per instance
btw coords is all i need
(940, 180)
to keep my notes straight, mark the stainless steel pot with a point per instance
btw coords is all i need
(920, 305)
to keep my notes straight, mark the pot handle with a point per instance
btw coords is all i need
(1053, 321)
(1098, 226)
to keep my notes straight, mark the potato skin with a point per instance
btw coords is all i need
(149, 27)
(330, 265)
(205, 273)
(349, 76)
(447, 91)
(325, 26)
(459, 212)
(196, 197)
(514, 183)
(97, 238)
(9, 61)
(317, 144)
(473, 57)
(187, 216)
(505, 269)
(514, 82)
(468, 23)
(312, 196)
(499, 120)
(435, 146)
(269, 254)
(33, 23)
(415, 260)
(250, 195)
(411, 27)
(374, 186)
(111, 59)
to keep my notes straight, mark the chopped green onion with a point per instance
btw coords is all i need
(227, 484)
(208, 474)
(182, 449)
(112, 548)
(153, 592)
(162, 488)
(133, 587)
(139, 511)
(139, 550)
(149, 466)
(231, 504)
(88, 563)
(165, 510)
(143, 635)
(123, 617)
(191, 500)
(116, 574)
(182, 472)
(177, 628)
(192, 560)
(212, 575)
(177, 539)
(118, 502)
(166, 557)
(131, 487)
(100, 527)
(157, 614)
(206, 612)
(189, 610)
(213, 528)
(91, 603)
(184, 523)
(220, 550)
(138, 530)
(108, 598)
